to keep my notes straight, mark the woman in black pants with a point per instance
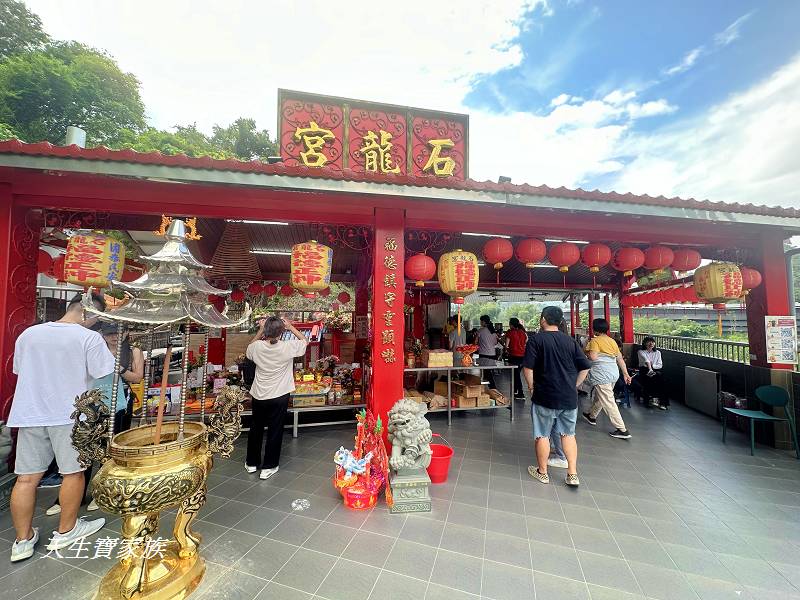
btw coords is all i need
(650, 378)
(273, 383)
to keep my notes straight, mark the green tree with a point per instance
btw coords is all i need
(7, 132)
(185, 140)
(44, 91)
(244, 140)
(20, 29)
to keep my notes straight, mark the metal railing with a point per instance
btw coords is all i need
(722, 349)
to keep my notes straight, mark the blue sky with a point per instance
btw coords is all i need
(681, 98)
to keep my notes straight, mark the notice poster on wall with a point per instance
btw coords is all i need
(362, 327)
(781, 340)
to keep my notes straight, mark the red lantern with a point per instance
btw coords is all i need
(497, 251)
(255, 289)
(129, 275)
(531, 251)
(58, 267)
(326, 292)
(270, 290)
(287, 290)
(343, 297)
(658, 258)
(750, 279)
(237, 295)
(44, 263)
(420, 268)
(627, 260)
(564, 255)
(685, 259)
(596, 256)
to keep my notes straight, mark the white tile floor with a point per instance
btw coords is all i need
(669, 514)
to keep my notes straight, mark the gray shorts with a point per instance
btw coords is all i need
(37, 446)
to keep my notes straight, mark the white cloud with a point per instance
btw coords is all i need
(560, 99)
(731, 32)
(650, 109)
(618, 96)
(744, 150)
(687, 62)
(212, 62)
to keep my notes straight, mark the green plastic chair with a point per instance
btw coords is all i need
(768, 394)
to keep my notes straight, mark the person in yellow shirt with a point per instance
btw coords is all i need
(607, 363)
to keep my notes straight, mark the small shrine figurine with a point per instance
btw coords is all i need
(410, 436)
(351, 465)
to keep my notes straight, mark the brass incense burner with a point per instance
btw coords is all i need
(164, 466)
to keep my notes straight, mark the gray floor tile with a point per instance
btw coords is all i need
(627, 524)
(266, 558)
(306, 570)
(507, 502)
(603, 593)
(392, 586)
(756, 573)
(673, 533)
(505, 582)
(608, 572)
(584, 516)
(476, 480)
(294, 530)
(72, 584)
(348, 580)
(230, 547)
(790, 572)
(276, 590)
(234, 585)
(439, 592)
(422, 531)
(507, 549)
(556, 560)
(500, 521)
(347, 517)
(594, 540)
(457, 571)
(412, 559)
(261, 521)
(698, 562)
(319, 506)
(467, 515)
(662, 584)
(466, 540)
(382, 521)
(549, 586)
(330, 538)
(646, 551)
(471, 495)
(229, 514)
(36, 574)
(716, 589)
(506, 485)
(551, 532)
(544, 509)
(370, 548)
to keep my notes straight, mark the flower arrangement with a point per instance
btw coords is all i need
(338, 321)
(327, 363)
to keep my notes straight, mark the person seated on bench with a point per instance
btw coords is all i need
(650, 375)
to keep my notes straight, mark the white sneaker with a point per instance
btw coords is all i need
(24, 549)
(560, 463)
(92, 506)
(82, 529)
(53, 510)
(250, 469)
(267, 473)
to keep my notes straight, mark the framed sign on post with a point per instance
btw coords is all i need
(362, 327)
(781, 334)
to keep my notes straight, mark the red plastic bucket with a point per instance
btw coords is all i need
(440, 461)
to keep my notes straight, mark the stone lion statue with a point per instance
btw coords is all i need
(410, 435)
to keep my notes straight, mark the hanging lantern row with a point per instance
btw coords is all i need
(420, 268)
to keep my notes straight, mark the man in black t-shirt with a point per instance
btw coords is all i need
(554, 366)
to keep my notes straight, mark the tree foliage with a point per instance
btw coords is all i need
(44, 91)
(244, 140)
(20, 29)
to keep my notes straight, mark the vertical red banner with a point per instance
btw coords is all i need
(388, 289)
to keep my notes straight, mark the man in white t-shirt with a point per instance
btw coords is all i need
(55, 362)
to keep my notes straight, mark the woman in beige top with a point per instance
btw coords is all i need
(272, 386)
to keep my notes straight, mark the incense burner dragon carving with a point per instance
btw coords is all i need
(225, 425)
(410, 435)
(90, 428)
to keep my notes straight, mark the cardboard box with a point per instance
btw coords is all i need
(468, 391)
(436, 401)
(462, 402)
(440, 387)
(471, 379)
(485, 400)
(437, 358)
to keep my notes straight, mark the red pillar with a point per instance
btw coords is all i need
(363, 273)
(589, 327)
(770, 298)
(607, 308)
(19, 249)
(387, 312)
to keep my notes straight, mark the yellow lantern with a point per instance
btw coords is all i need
(458, 276)
(718, 283)
(93, 260)
(311, 267)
